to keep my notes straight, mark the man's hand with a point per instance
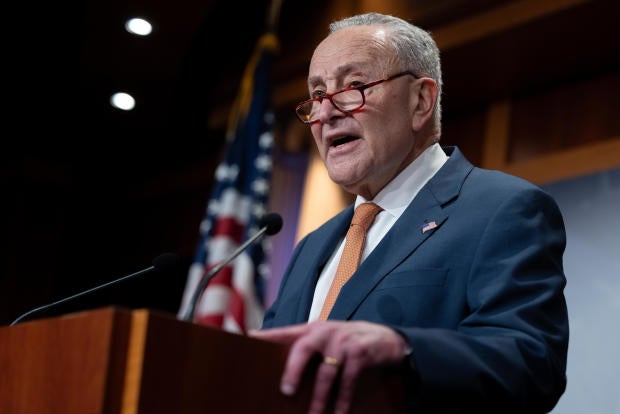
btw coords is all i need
(348, 347)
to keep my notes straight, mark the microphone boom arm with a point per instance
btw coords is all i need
(58, 302)
(165, 262)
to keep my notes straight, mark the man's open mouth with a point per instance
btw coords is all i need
(343, 140)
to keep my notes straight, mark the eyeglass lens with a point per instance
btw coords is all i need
(348, 100)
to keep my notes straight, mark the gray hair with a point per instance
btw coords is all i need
(415, 48)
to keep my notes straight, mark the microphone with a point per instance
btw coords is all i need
(166, 262)
(270, 224)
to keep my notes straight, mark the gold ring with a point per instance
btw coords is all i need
(331, 361)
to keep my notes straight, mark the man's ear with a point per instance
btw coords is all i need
(423, 99)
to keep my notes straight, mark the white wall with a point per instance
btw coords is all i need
(591, 209)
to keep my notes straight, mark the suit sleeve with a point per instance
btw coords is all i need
(509, 351)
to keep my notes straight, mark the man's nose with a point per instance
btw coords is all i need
(328, 111)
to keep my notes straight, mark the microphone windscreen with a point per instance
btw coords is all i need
(167, 262)
(273, 222)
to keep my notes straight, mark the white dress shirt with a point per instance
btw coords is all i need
(393, 199)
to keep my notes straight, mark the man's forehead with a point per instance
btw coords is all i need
(353, 39)
(356, 67)
(353, 49)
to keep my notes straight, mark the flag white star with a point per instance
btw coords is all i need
(260, 186)
(258, 210)
(263, 163)
(213, 207)
(205, 226)
(226, 172)
(265, 140)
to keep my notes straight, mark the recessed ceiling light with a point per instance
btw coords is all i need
(138, 26)
(122, 100)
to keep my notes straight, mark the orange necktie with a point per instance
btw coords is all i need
(354, 245)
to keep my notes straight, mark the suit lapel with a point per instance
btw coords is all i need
(318, 249)
(421, 219)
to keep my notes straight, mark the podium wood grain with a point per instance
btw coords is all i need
(116, 361)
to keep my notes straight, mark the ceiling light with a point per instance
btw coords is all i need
(138, 26)
(122, 100)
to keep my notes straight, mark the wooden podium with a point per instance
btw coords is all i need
(117, 361)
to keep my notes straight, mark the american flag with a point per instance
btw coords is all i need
(233, 299)
(427, 226)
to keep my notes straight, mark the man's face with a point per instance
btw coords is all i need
(365, 150)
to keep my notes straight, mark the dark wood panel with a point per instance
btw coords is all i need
(569, 116)
(466, 132)
(563, 48)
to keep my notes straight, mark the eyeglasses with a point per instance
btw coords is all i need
(348, 100)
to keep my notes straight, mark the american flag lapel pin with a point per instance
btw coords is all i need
(428, 225)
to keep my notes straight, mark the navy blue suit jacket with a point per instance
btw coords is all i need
(479, 297)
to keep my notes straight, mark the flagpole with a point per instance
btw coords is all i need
(242, 101)
(273, 18)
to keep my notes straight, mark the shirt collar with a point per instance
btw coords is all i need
(398, 193)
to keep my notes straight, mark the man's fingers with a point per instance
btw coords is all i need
(346, 348)
(286, 335)
(298, 357)
(350, 373)
(325, 378)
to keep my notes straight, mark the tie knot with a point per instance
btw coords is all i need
(365, 214)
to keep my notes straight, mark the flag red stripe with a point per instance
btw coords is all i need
(223, 278)
(214, 319)
(228, 227)
(237, 309)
